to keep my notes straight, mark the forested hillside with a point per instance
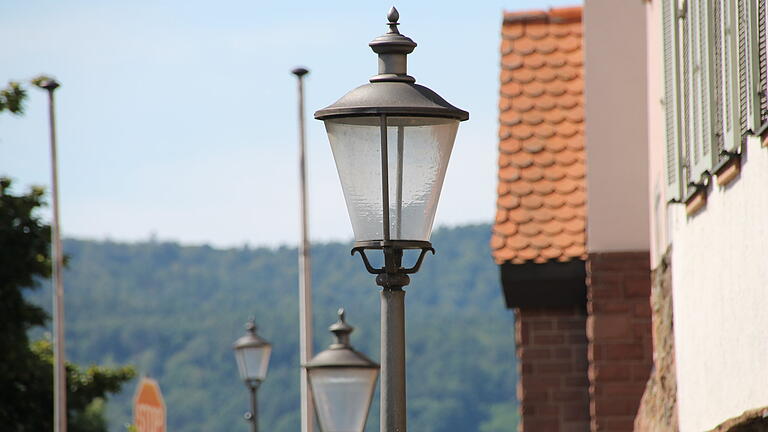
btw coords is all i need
(174, 311)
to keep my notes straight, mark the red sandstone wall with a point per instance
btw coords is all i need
(552, 369)
(619, 331)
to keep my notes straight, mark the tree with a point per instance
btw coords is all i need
(12, 98)
(26, 371)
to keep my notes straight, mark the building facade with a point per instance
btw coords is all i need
(708, 166)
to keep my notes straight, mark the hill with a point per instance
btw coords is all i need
(174, 311)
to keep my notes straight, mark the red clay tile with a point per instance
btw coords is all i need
(511, 89)
(507, 228)
(566, 157)
(537, 31)
(534, 89)
(531, 202)
(497, 241)
(528, 253)
(548, 253)
(509, 173)
(554, 173)
(510, 145)
(543, 159)
(543, 187)
(541, 242)
(532, 173)
(522, 131)
(553, 201)
(534, 146)
(564, 241)
(517, 242)
(532, 118)
(521, 159)
(509, 201)
(534, 61)
(566, 186)
(520, 215)
(502, 188)
(544, 215)
(551, 228)
(501, 216)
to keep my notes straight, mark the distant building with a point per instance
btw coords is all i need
(571, 231)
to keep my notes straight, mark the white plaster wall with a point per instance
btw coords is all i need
(616, 131)
(720, 288)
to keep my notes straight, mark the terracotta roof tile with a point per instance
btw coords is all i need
(541, 206)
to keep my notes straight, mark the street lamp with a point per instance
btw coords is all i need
(342, 382)
(391, 140)
(252, 355)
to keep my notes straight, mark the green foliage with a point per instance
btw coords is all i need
(26, 371)
(12, 98)
(502, 417)
(175, 311)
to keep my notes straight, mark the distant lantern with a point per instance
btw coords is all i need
(342, 382)
(252, 355)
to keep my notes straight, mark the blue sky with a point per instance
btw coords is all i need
(178, 119)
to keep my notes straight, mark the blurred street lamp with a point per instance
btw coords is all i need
(59, 370)
(342, 382)
(391, 139)
(252, 355)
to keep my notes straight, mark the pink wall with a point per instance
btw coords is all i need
(616, 113)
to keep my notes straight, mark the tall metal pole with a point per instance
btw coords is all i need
(393, 405)
(305, 271)
(59, 371)
(254, 408)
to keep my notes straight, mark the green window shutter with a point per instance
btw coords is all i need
(700, 59)
(720, 78)
(685, 86)
(671, 99)
(731, 122)
(743, 67)
(762, 61)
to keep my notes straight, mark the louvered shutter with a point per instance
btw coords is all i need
(685, 86)
(731, 122)
(763, 60)
(700, 146)
(720, 79)
(671, 99)
(743, 67)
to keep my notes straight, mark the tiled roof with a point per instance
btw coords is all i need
(541, 206)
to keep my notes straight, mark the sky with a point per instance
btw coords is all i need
(177, 121)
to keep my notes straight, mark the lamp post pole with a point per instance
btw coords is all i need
(59, 371)
(305, 270)
(253, 386)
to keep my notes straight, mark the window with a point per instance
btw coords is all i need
(714, 85)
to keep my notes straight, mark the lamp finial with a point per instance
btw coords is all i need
(341, 330)
(393, 15)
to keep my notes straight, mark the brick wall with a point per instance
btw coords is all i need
(552, 369)
(619, 333)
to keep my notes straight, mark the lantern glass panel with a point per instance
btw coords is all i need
(418, 150)
(253, 361)
(342, 397)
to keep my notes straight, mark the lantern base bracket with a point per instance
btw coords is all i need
(393, 256)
